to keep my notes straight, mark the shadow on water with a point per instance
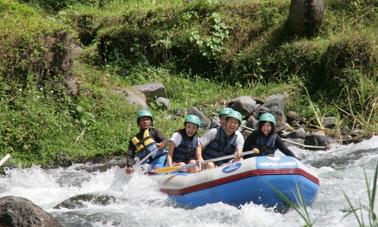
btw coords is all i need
(340, 162)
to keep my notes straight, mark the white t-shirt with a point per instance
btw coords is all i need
(176, 138)
(212, 133)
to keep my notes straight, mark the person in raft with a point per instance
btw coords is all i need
(218, 142)
(222, 114)
(147, 140)
(183, 143)
(265, 139)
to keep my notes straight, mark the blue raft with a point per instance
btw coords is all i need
(268, 181)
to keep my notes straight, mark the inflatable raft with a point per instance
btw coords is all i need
(269, 181)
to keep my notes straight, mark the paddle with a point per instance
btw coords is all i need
(177, 168)
(147, 156)
(6, 157)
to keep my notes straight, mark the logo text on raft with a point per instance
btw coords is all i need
(231, 168)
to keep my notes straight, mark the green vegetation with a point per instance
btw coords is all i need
(204, 52)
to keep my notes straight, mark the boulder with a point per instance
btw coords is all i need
(162, 102)
(205, 122)
(305, 16)
(18, 211)
(79, 201)
(244, 104)
(318, 140)
(276, 107)
(133, 96)
(152, 90)
(329, 122)
(299, 133)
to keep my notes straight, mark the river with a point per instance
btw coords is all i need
(136, 200)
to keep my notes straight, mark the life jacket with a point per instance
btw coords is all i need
(220, 146)
(187, 148)
(141, 145)
(266, 145)
(144, 146)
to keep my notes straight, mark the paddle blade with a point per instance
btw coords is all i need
(167, 169)
(2, 161)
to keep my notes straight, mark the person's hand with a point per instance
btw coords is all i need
(238, 155)
(160, 145)
(129, 170)
(199, 164)
(256, 151)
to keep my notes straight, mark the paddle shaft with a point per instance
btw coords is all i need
(6, 157)
(177, 168)
(255, 151)
(147, 156)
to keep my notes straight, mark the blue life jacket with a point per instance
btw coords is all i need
(220, 146)
(187, 148)
(266, 145)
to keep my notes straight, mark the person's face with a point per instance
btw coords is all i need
(266, 128)
(190, 129)
(232, 125)
(222, 119)
(145, 122)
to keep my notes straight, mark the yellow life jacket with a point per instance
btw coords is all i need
(146, 141)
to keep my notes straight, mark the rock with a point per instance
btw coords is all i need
(252, 122)
(305, 16)
(244, 104)
(59, 58)
(299, 133)
(152, 90)
(162, 102)
(77, 201)
(205, 122)
(62, 159)
(275, 106)
(318, 140)
(133, 96)
(18, 211)
(329, 122)
(215, 122)
(292, 116)
(72, 85)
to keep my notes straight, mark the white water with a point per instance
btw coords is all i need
(138, 202)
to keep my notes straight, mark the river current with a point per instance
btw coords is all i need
(120, 200)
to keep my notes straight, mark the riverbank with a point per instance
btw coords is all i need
(63, 64)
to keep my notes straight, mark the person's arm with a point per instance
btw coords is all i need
(250, 144)
(199, 152)
(209, 136)
(239, 145)
(283, 148)
(161, 142)
(171, 149)
(130, 158)
(174, 141)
